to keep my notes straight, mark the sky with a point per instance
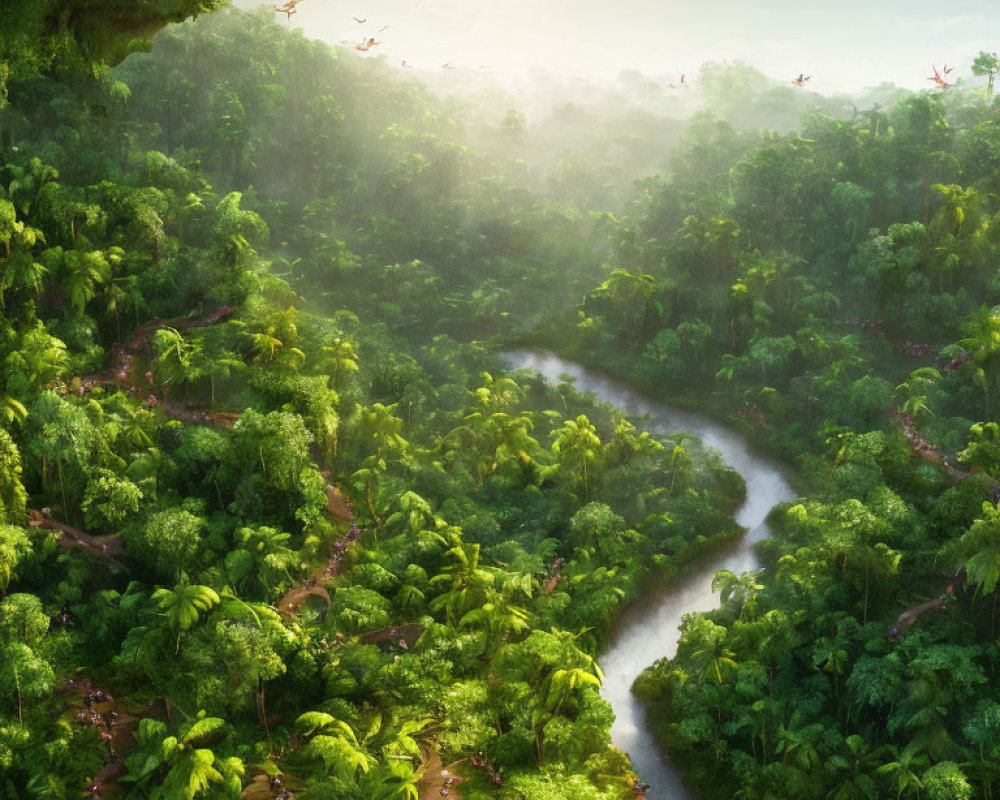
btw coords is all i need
(844, 46)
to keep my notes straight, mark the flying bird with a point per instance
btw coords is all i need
(937, 79)
(361, 21)
(287, 8)
(366, 44)
(801, 80)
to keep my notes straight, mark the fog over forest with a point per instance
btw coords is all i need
(847, 46)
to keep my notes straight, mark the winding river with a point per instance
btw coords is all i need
(647, 631)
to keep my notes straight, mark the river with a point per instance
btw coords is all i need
(647, 631)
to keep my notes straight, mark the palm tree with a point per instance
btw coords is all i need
(416, 519)
(713, 658)
(903, 772)
(961, 210)
(557, 668)
(502, 438)
(217, 365)
(79, 274)
(36, 360)
(333, 743)
(13, 498)
(495, 394)
(741, 590)
(499, 617)
(706, 643)
(381, 424)
(338, 360)
(911, 395)
(175, 354)
(980, 547)
(982, 342)
(562, 682)
(576, 447)
(857, 783)
(176, 766)
(795, 746)
(20, 271)
(276, 339)
(467, 582)
(181, 606)
(266, 342)
(133, 424)
(11, 409)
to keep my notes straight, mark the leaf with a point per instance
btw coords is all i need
(204, 730)
(239, 563)
(150, 730)
(316, 721)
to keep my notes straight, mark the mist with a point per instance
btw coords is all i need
(587, 88)
(844, 47)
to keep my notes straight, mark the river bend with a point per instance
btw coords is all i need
(647, 631)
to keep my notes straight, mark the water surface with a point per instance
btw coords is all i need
(647, 631)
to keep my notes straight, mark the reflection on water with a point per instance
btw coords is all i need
(647, 631)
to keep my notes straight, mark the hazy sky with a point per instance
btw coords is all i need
(844, 46)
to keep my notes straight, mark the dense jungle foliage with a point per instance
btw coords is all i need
(834, 292)
(273, 522)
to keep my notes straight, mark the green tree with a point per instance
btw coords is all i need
(576, 447)
(902, 773)
(856, 767)
(982, 342)
(14, 545)
(108, 499)
(80, 274)
(167, 541)
(597, 526)
(338, 360)
(174, 355)
(628, 297)
(467, 583)
(499, 617)
(945, 781)
(708, 650)
(13, 498)
(179, 766)
(979, 549)
(24, 674)
(741, 589)
(262, 559)
(333, 744)
(181, 605)
(989, 65)
(274, 446)
(36, 360)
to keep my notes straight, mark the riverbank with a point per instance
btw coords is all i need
(648, 629)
